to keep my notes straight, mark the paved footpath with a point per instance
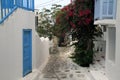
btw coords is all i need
(60, 67)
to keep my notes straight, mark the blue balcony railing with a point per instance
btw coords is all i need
(8, 6)
(105, 9)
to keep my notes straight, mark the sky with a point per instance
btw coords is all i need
(40, 4)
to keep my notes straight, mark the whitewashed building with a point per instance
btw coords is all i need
(107, 14)
(21, 49)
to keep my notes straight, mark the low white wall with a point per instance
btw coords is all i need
(100, 46)
(42, 51)
(113, 68)
(11, 47)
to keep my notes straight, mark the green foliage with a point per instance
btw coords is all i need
(61, 25)
(78, 18)
(46, 21)
(85, 32)
(83, 55)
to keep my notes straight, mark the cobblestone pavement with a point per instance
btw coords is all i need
(60, 67)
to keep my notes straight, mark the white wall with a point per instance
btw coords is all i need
(11, 44)
(111, 44)
(110, 53)
(113, 68)
(42, 52)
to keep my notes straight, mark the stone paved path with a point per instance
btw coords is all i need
(60, 67)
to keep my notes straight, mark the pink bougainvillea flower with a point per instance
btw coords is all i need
(79, 23)
(67, 17)
(84, 12)
(87, 12)
(70, 13)
(72, 24)
(81, 13)
(88, 21)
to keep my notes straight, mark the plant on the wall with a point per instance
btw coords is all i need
(79, 18)
(61, 27)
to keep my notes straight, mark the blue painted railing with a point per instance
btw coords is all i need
(7, 7)
(105, 9)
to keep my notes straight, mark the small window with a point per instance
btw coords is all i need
(104, 29)
(105, 4)
(110, 9)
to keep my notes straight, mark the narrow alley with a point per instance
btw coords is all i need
(60, 67)
(59, 39)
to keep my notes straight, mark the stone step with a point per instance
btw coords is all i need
(32, 76)
(97, 75)
(98, 65)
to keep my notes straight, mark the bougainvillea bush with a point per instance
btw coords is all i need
(79, 17)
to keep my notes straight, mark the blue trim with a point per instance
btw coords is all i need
(33, 5)
(27, 30)
(27, 3)
(1, 21)
(4, 18)
(11, 7)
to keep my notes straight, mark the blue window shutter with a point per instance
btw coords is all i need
(7, 4)
(110, 9)
(3, 3)
(11, 3)
(105, 8)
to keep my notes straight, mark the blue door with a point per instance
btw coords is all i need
(27, 51)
